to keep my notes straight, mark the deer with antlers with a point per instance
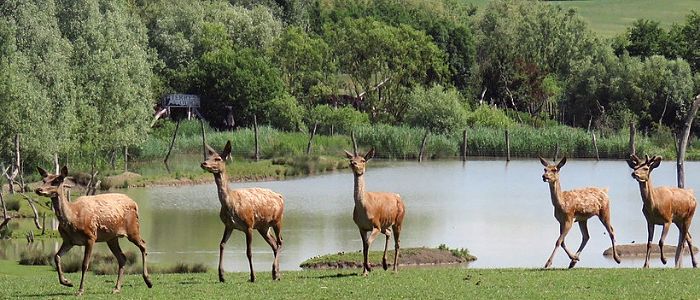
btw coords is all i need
(663, 206)
(576, 206)
(246, 210)
(375, 212)
(91, 219)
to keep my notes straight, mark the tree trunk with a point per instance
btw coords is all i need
(683, 142)
(204, 137)
(507, 146)
(36, 213)
(55, 163)
(595, 146)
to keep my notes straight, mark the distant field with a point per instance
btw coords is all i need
(610, 17)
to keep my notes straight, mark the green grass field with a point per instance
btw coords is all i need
(612, 17)
(413, 283)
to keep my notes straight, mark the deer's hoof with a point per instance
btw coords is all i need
(663, 260)
(572, 263)
(66, 282)
(116, 291)
(385, 265)
(617, 259)
(79, 293)
(148, 282)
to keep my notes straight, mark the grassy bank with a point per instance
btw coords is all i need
(414, 283)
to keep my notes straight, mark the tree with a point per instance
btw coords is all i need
(37, 82)
(646, 38)
(240, 78)
(684, 40)
(306, 64)
(374, 54)
(113, 71)
(437, 109)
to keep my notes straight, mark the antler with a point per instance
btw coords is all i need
(354, 142)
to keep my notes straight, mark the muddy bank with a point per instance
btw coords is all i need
(407, 257)
(641, 250)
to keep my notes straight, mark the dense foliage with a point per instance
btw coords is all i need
(81, 78)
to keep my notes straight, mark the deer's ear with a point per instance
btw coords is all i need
(348, 154)
(543, 162)
(561, 163)
(64, 171)
(655, 162)
(227, 151)
(369, 155)
(42, 172)
(210, 150)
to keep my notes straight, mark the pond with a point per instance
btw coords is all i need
(500, 211)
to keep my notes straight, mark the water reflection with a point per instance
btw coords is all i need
(500, 211)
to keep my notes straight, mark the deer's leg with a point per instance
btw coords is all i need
(689, 239)
(605, 219)
(136, 239)
(682, 234)
(650, 234)
(249, 252)
(265, 232)
(277, 228)
(57, 259)
(86, 264)
(564, 227)
(224, 239)
(664, 232)
(121, 261)
(386, 245)
(397, 232)
(583, 225)
(365, 249)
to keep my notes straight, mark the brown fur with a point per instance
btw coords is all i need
(91, 219)
(246, 210)
(375, 212)
(663, 206)
(577, 205)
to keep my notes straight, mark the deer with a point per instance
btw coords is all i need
(663, 206)
(577, 205)
(92, 219)
(246, 210)
(375, 212)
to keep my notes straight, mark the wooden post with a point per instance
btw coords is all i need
(204, 137)
(18, 163)
(55, 163)
(507, 146)
(172, 143)
(595, 146)
(422, 146)
(257, 145)
(126, 159)
(311, 139)
(464, 145)
(633, 131)
(683, 141)
(43, 225)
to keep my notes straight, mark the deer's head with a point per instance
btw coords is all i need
(358, 162)
(551, 171)
(51, 183)
(642, 169)
(216, 162)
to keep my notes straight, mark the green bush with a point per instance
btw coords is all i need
(486, 116)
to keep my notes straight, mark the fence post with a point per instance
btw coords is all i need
(507, 146)
(595, 146)
(257, 145)
(632, 134)
(422, 146)
(464, 145)
(311, 139)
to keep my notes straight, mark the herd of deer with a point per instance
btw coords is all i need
(107, 217)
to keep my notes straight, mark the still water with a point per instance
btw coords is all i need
(500, 211)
